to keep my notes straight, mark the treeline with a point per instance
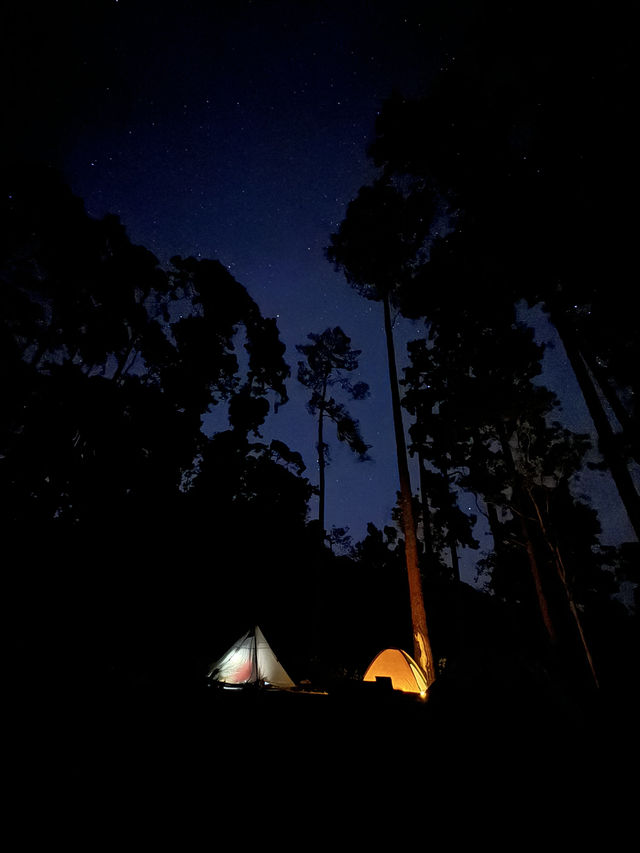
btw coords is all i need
(492, 192)
(136, 544)
(136, 541)
(129, 534)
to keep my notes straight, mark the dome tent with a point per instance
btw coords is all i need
(397, 665)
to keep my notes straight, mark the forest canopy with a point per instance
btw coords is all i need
(140, 528)
(128, 524)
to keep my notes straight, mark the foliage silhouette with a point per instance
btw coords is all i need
(327, 358)
(458, 227)
(375, 247)
(111, 489)
(525, 137)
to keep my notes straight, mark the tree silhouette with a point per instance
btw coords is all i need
(526, 135)
(110, 365)
(328, 357)
(375, 246)
(482, 414)
(103, 337)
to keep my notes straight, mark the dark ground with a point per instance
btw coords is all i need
(505, 768)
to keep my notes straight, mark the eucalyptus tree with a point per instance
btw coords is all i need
(507, 139)
(120, 360)
(526, 134)
(493, 426)
(328, 358)
(376, 247)
(429, 386)
(111, 489)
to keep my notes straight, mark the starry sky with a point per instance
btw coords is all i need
(238, 131)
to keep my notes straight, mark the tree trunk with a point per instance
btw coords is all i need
(495, 527)
(321, 472)
(519, 509)
(427, 536)
(543, 604)
(562, 574)
(451, 539)
(455, 561)
(608, 390)
(606, 438)
(421, 645)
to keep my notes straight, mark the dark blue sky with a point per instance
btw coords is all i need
(238, 131)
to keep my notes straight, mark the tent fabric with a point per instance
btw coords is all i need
(404, 672)
(250, 660)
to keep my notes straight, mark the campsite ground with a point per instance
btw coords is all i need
(322, 762)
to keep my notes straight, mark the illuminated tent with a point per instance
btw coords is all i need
(404, 672)
(250, 661)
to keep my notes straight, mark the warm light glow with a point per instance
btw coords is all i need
(404, 672)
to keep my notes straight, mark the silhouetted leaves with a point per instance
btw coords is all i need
(328, 357)
(524, 135)
(491, 189)
(380, 239)
(111, 489)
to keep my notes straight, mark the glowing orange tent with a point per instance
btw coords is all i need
(404, 672)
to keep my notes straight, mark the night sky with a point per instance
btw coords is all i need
(238, 131)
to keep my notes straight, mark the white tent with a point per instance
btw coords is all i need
(397, 665)
(250, 660)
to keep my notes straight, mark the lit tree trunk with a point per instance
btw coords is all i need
(421, 645)
(543, 604)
